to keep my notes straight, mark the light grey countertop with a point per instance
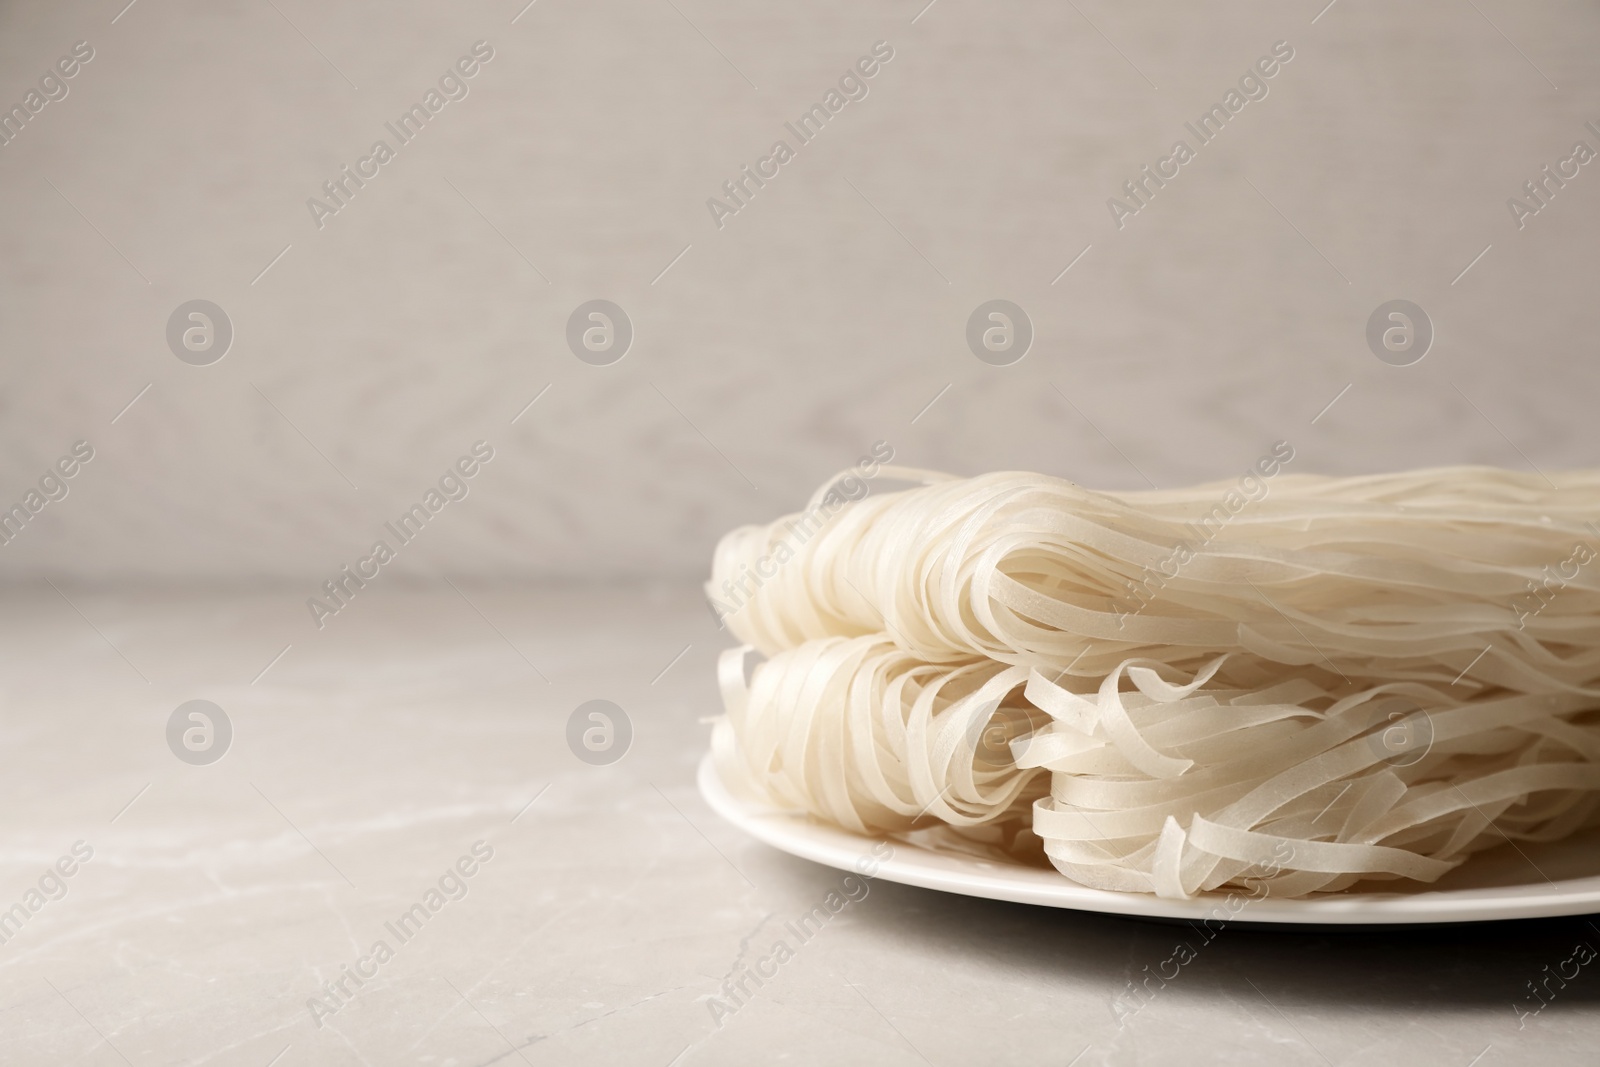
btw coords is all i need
(369, 759)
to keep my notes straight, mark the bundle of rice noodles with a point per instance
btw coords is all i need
(1304, 681)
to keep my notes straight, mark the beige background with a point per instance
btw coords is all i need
(820, 319)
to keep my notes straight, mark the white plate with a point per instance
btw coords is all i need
(1503, 883)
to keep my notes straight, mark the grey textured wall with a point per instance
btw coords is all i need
(823, 316)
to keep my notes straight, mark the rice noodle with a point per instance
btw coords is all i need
(1213, 686)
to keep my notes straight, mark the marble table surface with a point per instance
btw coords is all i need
(411, 759)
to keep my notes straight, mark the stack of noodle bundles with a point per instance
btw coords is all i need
(1342, 679)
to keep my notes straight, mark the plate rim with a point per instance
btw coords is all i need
(969, 876)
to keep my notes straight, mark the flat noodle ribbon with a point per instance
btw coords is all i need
(1346, 679)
